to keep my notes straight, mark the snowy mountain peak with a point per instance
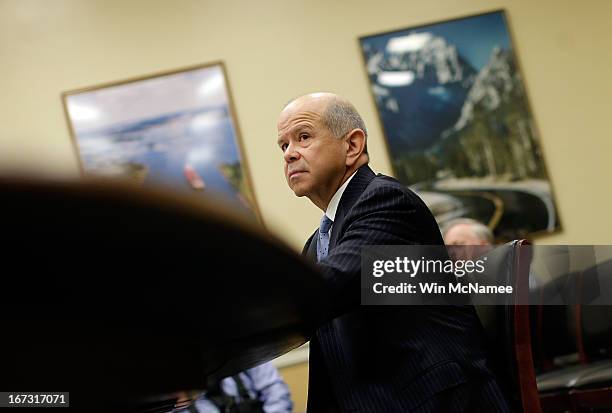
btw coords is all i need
(493, 84)
(423, 54)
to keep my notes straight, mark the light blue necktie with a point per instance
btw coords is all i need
(323, 244)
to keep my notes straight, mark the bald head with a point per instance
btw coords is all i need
(337, 113)
(320, 97)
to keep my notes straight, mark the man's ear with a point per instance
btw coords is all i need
(356, 141)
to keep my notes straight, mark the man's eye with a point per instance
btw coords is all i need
(304, 136)
(283, 147)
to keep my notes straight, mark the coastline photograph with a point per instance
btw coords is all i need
(175, 131)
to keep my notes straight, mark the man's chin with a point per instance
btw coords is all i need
(299, 191)
(299, 194)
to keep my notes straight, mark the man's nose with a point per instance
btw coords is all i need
(291, 154)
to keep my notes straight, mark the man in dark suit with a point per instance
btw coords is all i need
(387, 358)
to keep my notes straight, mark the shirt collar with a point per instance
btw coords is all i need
(335, 201)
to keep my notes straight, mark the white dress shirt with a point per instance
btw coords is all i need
(333, 204)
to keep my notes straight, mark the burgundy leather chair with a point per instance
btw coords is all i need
(587, 385)
(508, 326)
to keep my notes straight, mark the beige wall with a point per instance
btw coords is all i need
(274, 50)
(296, 377)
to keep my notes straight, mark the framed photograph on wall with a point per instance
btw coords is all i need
(175, 129)
(458, 127)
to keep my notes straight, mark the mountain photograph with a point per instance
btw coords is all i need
(457, 123)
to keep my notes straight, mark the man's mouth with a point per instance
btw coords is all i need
(293, 174)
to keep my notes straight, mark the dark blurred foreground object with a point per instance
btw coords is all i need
(128, 298)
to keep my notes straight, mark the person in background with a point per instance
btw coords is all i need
(467, 231)
(469, 239)
(256, 390)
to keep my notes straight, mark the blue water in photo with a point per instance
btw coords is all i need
(204, 140)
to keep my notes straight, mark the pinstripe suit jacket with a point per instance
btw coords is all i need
(387, 358)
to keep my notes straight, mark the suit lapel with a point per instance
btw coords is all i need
(310, 249)
(352, 192)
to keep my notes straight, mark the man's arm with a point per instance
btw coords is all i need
(386, 215)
